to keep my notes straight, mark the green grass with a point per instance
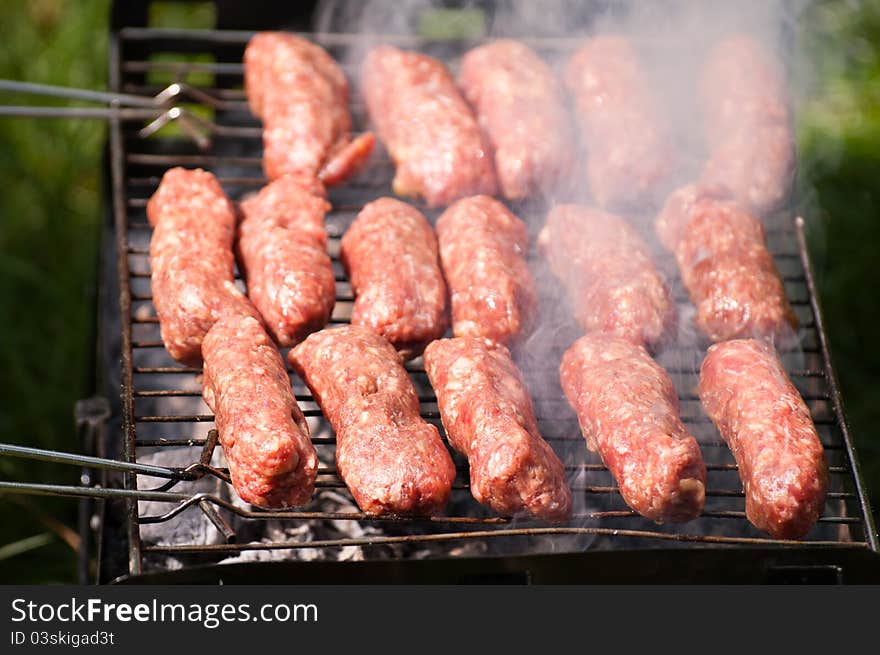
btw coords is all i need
(50, 212)
(840, 177)
(51, 208)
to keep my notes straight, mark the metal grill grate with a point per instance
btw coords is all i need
(154, 388)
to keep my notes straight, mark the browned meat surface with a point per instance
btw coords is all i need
(612, 282)
(622, 125)
(427, 127)
(628, 412)
(488, 417)
(747, 394)
(726, 267)
(263, 432)
(191, 260)
(482, 250)
(748, 124)
(301, 95)
(390, 253)
(392, 460)
(520, 105)
(283, 252)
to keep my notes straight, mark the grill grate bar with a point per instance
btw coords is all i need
(347, 297)
(426, 414)
(223, 473)
(164, 442)
(415, 367)
(451, 520)
(141, 203)
(493, 534)
(157, 370)
(327, 39)
(173, 393)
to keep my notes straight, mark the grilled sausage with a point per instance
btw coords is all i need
(748, 125)
(263, 432)
(520, 106)
(427, 127)
(482, 250)
(282, 248)
(488, 417)
(628, 153)
(301, 95)
(606, 267)
(390, 253)
(726, 267)
(628, 412)
(391, 459)
(747, 394)
(191, 260)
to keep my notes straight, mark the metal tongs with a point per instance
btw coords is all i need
(172, 474)
(159, 110)
(162, 494)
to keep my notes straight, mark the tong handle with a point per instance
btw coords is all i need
(79, 94)
(159, 110)
(191, 472)
(12, 450)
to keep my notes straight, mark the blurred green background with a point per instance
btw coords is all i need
(51, 209)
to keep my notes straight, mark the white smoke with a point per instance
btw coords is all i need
(673, 38)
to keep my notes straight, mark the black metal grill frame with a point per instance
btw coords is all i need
(135, 168)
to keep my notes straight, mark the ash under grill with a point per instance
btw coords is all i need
(197, 519)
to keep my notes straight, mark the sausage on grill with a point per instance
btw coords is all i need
(621, 124)
(427, 127)
(520, 106)
(191, 260)
(759, 413)
(392, 460)
(301, 95)
(283, 252)
(748, 124)
(628, 412)
(726, 267)
(488, 417)
(612, 282)
(265, 438)
(482, 250)
(390, 253)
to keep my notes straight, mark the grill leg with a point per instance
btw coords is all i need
(91, 416)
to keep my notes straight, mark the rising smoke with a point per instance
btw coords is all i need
(672, 37)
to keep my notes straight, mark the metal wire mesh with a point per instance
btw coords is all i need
(155, 388)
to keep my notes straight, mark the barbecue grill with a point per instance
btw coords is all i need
(154, 464)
